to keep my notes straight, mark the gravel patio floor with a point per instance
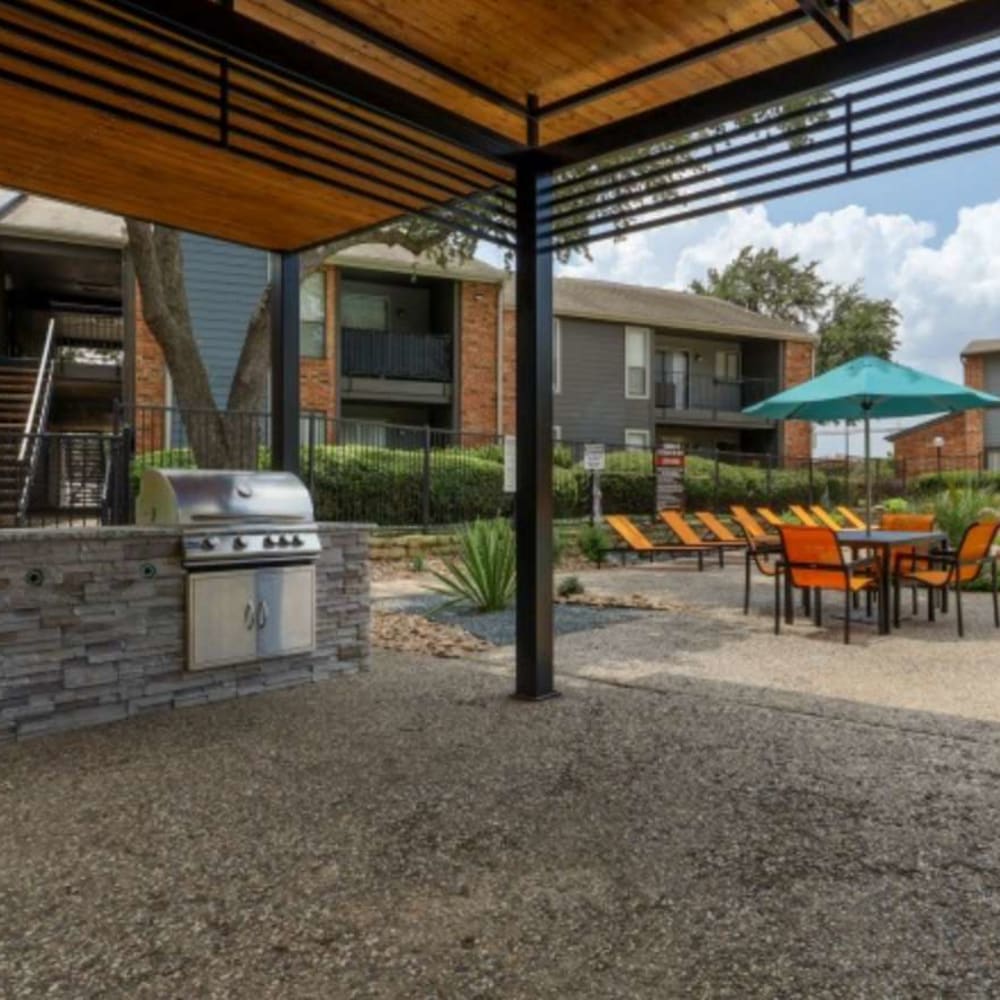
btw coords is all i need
(412, 832)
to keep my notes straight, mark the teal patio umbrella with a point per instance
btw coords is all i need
(868, 388)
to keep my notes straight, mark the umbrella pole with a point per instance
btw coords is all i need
(868, 472)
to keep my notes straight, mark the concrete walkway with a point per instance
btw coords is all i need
(414, 833)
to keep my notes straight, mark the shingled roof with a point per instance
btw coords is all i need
(611, 301)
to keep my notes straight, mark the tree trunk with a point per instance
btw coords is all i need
(217, 438)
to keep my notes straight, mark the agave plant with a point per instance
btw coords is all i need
(483, 575)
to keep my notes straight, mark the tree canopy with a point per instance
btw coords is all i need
(848, 322)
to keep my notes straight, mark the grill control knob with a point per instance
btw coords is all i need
(270, 541)
(239, 542)
(284, 540)
(210, 543)
(297, 540)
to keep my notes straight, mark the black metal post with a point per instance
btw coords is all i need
(425, 488)
(285, 278)
(533, 507)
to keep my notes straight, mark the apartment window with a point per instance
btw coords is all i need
(365, 312)
(636, 439)
(557, 356)
(556, 432)
(636, 362)
(727, 365)
(312, 316)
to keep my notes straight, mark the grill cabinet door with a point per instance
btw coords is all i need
(286, 610)
(221, 618)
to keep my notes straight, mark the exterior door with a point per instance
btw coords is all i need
(221, 618)
(672, 379)
(286, 610)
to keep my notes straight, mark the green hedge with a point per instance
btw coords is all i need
(746, 485)
(933, 483)
(385, 485)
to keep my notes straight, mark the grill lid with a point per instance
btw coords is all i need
(206, 496)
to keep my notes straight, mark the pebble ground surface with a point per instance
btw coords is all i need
(413, 832)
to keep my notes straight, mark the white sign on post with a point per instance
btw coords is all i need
(593, 457)
(509, 464)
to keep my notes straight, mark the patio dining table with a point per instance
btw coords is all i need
(882, 543)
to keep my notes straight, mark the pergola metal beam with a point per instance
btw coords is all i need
(953, 27)
(286, 273)
(244, 38)
(834, 19)
(533, 509)
(421, 60)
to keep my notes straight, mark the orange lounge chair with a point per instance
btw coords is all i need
(852, 519)
(826, 519)
(637, 542)
(674, 520)
(950, 569)
(720, 532)
(771, 518)
(803, 515)
(814, 561)
(750, 525)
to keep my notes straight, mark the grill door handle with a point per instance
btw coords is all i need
(249, 618)
(262, 613)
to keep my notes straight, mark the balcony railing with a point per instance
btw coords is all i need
(376, 354)
(707, 392)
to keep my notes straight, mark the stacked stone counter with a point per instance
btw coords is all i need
(92, 627)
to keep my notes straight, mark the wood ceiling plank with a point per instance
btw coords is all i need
(91, 158)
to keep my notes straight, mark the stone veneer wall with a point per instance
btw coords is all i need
(98, 640)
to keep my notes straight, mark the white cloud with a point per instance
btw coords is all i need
(947, 289)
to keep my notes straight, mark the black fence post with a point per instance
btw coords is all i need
(812, 488)
(715, 482)
(770, 479)
(426, 485)
(311, 457)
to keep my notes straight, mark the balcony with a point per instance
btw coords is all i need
(709, 395)
(418, 357)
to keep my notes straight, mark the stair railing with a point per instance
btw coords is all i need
(38, 414)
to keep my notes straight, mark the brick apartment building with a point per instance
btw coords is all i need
(389, 339)
(958, 441)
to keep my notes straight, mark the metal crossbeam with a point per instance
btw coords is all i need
(835, 19)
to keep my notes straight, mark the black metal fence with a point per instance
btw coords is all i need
(425, 478)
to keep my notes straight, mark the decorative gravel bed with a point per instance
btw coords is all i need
(499, 627)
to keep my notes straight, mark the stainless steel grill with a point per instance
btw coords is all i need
(249, 542)
(232, 518)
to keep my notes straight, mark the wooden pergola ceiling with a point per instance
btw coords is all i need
(283, 123)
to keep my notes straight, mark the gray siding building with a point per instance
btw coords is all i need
(637, 365)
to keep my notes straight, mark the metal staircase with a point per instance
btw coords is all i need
(25, 395)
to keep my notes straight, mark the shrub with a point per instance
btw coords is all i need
(559, 544)
(896, 505)
(746, 484)
(958, 507)
(594, 543)
(569, 586)
(562, 456)
(484, 575)
(167, 458)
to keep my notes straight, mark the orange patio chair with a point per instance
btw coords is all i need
(852, 519)
(900, 556)
(826, 519)
(761, 553)
(814, 561)
(637, 542)
(686, 535)
(771, 518)
(720, 532)
(750, 525)
(951, 569)
(803, 515)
